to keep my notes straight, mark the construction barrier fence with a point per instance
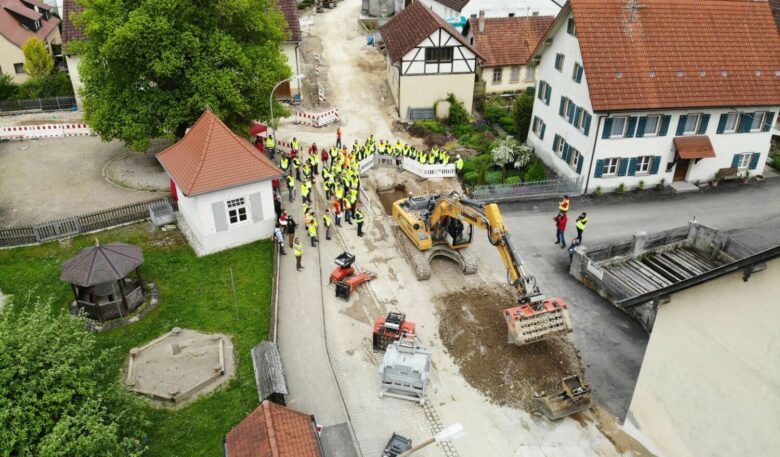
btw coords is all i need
(317, 119)
(28, 132)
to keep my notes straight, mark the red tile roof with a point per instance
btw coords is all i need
(211, 157)
(290, 10)
(411, 26)
(509, 40)
(272, 430)
(694, 147)
(69, 30)
(678, 53)
(11, 28)
(457, 5)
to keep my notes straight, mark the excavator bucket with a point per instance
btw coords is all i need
(574, 397)
(532, 322)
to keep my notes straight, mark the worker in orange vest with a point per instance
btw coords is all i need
(563, 206)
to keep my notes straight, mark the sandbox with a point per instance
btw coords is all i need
(180, 366)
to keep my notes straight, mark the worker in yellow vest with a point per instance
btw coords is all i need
(582, 221)
(298, 252)
(285, 162)
(563, 206)
(359, 219)
(312, 229)
(327, 221)
(295, 146)
(270, 146)
(458, 163)
(305, 191)
(291, 186)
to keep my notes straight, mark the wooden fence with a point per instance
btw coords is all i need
(70, 226)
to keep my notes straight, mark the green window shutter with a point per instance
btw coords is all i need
(541, 133)
(586, 127)
(556, 139)
(656, 164)
(770, 117)
(570, 114)
(754, 160)
(632, 167)
(722, 123)
(539, 91)
(577, 115)
(623, 167)
(607, 129)
(631, 127)
(560, 110)
(681, 125)
(744, 122)
(599, 169)
(566, 153)
(705, 119)
(735, 160)
(665, 125)
(640, 127)
(579, 165)
(579, 73)
(547, 94)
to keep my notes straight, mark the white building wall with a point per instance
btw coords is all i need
(423, 91)
(199, 214)
(493, 8)
(290, 50)
(464, 61)
(72, 62)
(506, 86)
(562, 84)
(709, 380)
(393, 80)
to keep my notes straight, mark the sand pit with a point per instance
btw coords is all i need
(473, 331)
(180, 366)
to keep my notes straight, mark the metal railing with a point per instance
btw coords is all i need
(39, 104)
(528, 190)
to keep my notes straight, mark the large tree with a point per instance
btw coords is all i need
(150, 67)
(38, 62)
(55, 399)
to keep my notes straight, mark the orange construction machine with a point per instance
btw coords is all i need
(391, 328)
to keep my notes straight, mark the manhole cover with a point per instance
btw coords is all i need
(24, 148)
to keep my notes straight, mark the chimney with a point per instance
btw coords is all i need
(481, 21)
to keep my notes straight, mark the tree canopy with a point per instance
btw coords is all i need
(38, 62)
(150, 67)
(54, 398)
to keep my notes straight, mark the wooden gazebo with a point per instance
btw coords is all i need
(98, 276)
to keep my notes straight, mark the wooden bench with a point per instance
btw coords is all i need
(729, 174)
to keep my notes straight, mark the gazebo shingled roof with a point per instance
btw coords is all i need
(101, 263)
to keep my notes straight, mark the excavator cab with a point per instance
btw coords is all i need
(454, 232)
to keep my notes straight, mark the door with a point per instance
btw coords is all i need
(681, 169)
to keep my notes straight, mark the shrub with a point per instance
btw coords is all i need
(494, 110)
(462, 130)
(641, 185)
(776, 162)
(7, 87)
(508, 123)
(599, 191)
(493, 177)
(431, 125)
(54, 85)
(660, 185)
(513, 180)
(621, 188)
(536, 171)
(458, 114)
(524, 106)
(471, 178)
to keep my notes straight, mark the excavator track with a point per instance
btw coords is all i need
(416, 258)
(469, 261)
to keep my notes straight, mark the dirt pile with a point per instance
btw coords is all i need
(472, 329)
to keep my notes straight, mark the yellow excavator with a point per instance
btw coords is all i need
(442, 225)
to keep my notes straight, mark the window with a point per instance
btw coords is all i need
(530, 73)
(610, 167)
(691, 124)
(618, 127)
(758, 121)
(538, 127)
(497, 75)
(438, 55)
(558, 145)
(576, 74)
(732, 121)
(514, 75)
(544, 92)
(559, 62)
(576, 157)
(571, 27)
(19, 68)
(643, 164)
(652, 123)
(566, 106)
(580, 120)
(236, 210)
(744, 160)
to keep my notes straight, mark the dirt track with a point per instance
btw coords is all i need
(473, 331)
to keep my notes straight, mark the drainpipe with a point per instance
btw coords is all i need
(593, 154)
(298, 70)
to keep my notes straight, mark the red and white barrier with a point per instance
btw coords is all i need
(29, 132)
(317, 119)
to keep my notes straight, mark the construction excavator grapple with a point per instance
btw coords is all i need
(443, 225)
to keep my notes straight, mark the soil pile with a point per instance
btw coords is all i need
(472, 329)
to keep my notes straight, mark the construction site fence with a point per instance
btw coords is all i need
(529, 190)
(75, 225)
(29, 132)
(317, 119)
(39, 104)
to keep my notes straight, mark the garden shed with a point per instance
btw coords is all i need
(99, 278)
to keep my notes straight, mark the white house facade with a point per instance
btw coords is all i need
(450, 9)
(291, 48)
(427, 59)
(679, 124)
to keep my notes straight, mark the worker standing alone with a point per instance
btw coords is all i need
(298, 251)
(560, 228)
(582, 221)
(359, 219)
(327, 222)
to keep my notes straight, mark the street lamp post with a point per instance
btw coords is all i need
(271, 97)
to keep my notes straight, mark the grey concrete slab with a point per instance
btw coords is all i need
(337, 441)
(611, 343)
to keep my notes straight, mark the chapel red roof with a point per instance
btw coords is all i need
(12, 29)
(678, 53)
(411, 26)
(290, 10)
(211, 157)
(272, 430)
(509, 40)
(69, 30)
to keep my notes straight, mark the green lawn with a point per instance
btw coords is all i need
(195, 293)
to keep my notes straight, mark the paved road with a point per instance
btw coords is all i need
(612, 344)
